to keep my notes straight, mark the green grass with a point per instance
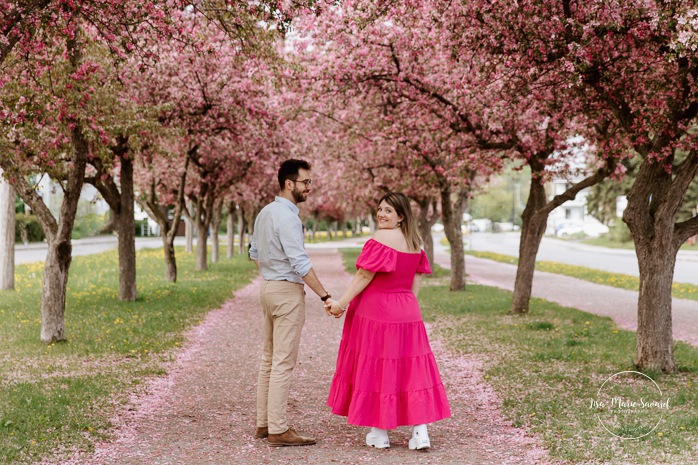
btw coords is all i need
(605, 241)
(349, 257)
(548, 364)
(623, 281)
(322, 236)
(58, 397)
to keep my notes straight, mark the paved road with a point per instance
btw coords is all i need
(574, 253)
(91, 245)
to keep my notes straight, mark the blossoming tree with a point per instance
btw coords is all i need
(51, 114)
(632, 65)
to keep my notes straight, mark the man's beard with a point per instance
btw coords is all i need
(298, 195)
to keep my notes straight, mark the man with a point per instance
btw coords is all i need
(278, 251)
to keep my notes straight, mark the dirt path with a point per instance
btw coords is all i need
(202, 412)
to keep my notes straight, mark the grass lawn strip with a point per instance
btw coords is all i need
(57, 398)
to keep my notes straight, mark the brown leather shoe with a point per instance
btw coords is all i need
(289, 438)
(262, 432)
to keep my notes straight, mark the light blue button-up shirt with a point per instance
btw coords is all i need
(278, 242)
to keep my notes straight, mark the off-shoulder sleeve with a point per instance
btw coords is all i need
(424, 266)
(377, 257)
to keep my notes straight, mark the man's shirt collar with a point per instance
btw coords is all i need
(288, 203)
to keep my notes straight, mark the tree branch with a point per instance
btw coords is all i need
(572, 192)
(684, 230)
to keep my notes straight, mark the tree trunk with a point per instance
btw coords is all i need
(428, 242)
(58, 235)
(54, 286)
(230, 230)
(54, 290)
(203, 218)
(168, 231)
(372, 222)
(170, 260)
(127, 234)
(121, 203)
(168, 228)
(188, 235)
(189, 226)
(60, 249)
(425, 220)
(7, 235)
(653, 202)
(655, 342)
(201, 248)
(215, 224)
(242, 223)
(534, 222)
(452, 207)
(215, 243)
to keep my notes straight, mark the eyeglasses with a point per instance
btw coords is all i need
(307, 182)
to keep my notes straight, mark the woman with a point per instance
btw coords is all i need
(386, 374)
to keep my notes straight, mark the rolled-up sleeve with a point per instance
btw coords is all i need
(291, 237)
(253, 249)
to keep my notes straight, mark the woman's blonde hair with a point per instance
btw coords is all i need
(401, 204)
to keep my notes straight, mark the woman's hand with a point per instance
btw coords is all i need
(334, 309)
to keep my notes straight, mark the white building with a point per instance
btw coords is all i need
(91, 202)
(572, 217)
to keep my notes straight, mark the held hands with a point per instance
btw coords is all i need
(332, 308)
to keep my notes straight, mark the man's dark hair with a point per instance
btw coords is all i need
(289, 170)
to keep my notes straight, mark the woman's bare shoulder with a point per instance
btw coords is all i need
(393, 238)
(386, 234)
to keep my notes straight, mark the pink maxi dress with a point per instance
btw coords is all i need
(386, 373)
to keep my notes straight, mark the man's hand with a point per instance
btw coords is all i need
(328, 306)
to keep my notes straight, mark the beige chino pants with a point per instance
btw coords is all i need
(283, 308)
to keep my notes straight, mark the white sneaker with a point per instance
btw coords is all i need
(420, 438)
(378, 438)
